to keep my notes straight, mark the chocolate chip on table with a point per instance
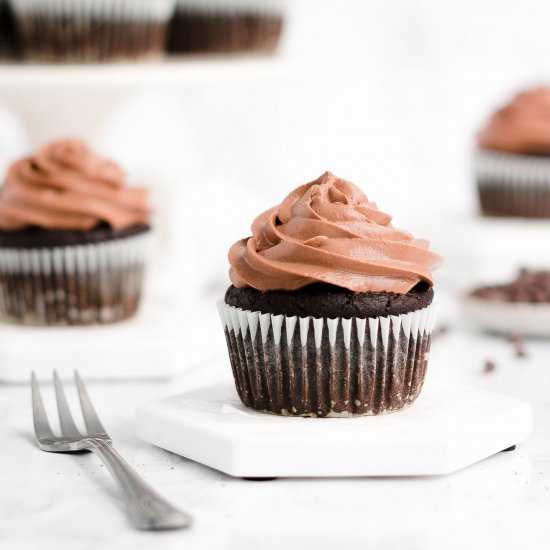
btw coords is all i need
(489, 366)
(517, 342)
(440, 331)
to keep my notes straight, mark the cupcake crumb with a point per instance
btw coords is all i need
(440, 331)
(489, 366)
(518, 345)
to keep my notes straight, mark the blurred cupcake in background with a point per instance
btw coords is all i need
(8, 42)
(513, 159)
(330, 308)
(226, 26)
(72, 239)
(92, 30)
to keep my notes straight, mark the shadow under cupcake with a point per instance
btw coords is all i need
(73, 239)
(329, 313)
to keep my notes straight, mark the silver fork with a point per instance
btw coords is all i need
(146, 508)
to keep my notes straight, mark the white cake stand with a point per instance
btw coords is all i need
(63, 99)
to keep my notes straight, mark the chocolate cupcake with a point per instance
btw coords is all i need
(513, 159)
(226, 26)
(92, 30)
(72, 239)
(521, 306)
(8, 42)
(330, 309)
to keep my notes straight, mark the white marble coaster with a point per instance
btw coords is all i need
(448, 428)
(148, 346)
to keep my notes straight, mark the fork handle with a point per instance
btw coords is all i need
(147, 509)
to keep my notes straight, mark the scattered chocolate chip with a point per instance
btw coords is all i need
(440, 331)
(531, 287)
(517, 342)
(489, 367)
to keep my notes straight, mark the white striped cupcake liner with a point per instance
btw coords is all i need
(305, 366)
(73, 285)
(91, 31)
(512, 184)
(111, 10)
(235, 7)
(226, 26)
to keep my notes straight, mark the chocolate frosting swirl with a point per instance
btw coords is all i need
(327, 231)
(522, 126)
(66, 186)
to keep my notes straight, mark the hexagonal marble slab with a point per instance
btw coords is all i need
(448, 428)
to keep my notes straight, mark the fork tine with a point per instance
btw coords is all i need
(40, 418)
(93, 424)
(66, 422)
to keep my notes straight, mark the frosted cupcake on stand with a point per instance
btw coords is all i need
(513, 159)
(92, 30)
(73, 239)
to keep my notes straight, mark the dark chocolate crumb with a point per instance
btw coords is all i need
(518, 344)
(489, 366)
(440, 331)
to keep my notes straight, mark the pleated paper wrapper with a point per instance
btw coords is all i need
(91, 31)
(513, 185)
(226, 26)
(73, 285)
(304, 366)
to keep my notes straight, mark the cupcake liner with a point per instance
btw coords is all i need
(8, 42)
(226, 26)
(513, 185)
(77, 31)
(304, 366)
(218, 7)
(72, 285)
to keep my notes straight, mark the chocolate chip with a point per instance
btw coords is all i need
(440, 331)
(489, 367)
(517, 342)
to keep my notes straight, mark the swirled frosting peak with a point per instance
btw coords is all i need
(522, 126)
(67, 186)
(327, 231)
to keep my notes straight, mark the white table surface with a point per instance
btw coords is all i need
(62, 501)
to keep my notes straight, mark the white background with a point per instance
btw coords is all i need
(388, 94)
